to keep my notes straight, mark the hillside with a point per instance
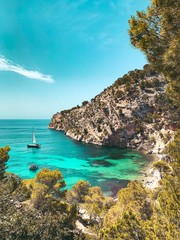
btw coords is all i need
(133, 112)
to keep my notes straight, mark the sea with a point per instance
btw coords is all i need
(110, 168)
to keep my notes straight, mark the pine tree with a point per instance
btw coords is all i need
(3, 159)
(156, 32)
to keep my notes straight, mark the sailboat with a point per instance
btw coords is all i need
(33, 144)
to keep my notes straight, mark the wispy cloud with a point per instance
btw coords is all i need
(6, 65)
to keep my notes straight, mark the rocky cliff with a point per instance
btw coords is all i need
(133, 112)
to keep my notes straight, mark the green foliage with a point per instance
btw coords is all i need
(84, 103)
(46, 189)
(3, 159)
(167, 198)
(151, 83)
(134, 77)
(119, 94)
(78, 192)
(134, 198)
(29, 210)
(128, 227)
(156, 32)
(29, 224)
(174, 150)
(166, 215)
(140, 214)
(94, 202)
(162, 166)
(145, 84)
(53, 180)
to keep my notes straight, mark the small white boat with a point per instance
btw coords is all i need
(33, 144)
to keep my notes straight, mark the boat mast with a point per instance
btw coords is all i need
(33, 137)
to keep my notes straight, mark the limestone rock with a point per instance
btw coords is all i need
(130, 113)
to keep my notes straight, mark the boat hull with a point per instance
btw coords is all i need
(33, 145)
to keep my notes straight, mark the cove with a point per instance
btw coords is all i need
(107, 167)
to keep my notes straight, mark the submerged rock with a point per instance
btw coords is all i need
(33, 167)
(102, 163)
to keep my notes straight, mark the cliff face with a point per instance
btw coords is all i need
(133, 112)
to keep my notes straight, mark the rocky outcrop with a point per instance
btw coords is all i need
(133, 112)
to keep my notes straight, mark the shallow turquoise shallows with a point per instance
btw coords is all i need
(107, 167)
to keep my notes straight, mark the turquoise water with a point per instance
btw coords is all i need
(107, 167)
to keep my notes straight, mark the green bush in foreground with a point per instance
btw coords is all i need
(32, 209)
(3, 159)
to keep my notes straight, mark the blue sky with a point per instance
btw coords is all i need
(54, 54)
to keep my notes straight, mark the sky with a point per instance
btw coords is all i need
(54, 54)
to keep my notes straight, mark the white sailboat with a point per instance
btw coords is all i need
(33, 144)
(33, 138)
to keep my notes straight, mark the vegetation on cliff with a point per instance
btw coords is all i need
(134, 112)
(156, 32)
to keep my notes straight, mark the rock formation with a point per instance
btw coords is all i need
(133, 112)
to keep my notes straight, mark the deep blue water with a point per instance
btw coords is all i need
(107, 167)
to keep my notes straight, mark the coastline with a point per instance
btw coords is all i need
(150, 176)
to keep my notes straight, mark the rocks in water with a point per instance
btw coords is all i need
(113, 185)
(33, 167)
(102, 163)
